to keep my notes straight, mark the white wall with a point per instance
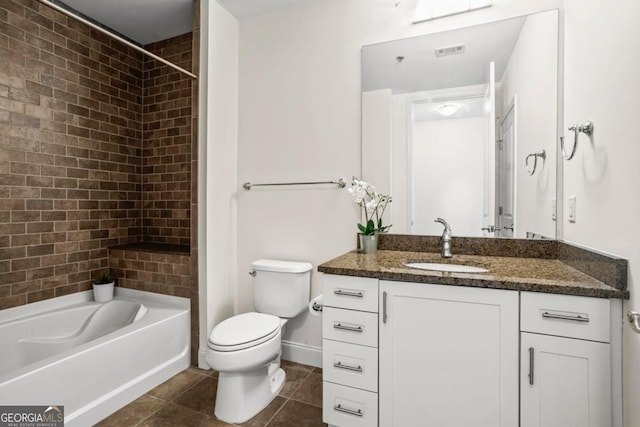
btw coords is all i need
(299, 110)
(531, 75)
(299, 121)
(377, 129)
(602, 83)
(448, 170)
(217, 249)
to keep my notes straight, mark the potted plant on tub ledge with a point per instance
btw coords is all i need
(373, 204)
(103, 287)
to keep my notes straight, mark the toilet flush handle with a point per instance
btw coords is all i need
(253, 273)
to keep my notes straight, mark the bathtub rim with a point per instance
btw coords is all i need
(8, 315)
(151, 300)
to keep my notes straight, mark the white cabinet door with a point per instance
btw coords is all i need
(448, 356)
(570, 383)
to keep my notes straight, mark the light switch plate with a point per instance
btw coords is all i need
(554, 209)
(572, 209)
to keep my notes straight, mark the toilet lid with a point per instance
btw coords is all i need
(243, 331)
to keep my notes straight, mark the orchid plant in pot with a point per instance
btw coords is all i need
(372, 205)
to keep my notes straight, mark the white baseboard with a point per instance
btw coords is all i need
(302, 353)
(202, 361)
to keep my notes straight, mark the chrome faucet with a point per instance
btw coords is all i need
(445, 240)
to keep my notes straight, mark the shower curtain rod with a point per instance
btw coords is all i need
(120, 39)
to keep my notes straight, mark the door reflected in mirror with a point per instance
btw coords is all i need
(448, 120)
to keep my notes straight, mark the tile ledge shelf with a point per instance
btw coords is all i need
(153, 247)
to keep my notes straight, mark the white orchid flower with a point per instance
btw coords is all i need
(372, 203)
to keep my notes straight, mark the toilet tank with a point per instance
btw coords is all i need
(281, 288)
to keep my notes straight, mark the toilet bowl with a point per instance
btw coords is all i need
(244, 342)
(245, 349)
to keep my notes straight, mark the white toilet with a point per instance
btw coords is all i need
(245, 349)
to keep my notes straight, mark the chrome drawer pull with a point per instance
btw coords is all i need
(347, 367)
(531, 366)
(339, 408)
(348, 293)
(384, 307)
(576, 318)
(348, 328)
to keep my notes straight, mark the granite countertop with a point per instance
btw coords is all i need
(520, 274)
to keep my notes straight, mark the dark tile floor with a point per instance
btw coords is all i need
(188, 400)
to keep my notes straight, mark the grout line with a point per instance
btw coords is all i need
(288, 399)
(277, 412)
(187, 389)
(302, 401)
(154, 412)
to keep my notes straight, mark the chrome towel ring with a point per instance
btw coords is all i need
(586, 128)
(634, 319)
(540, 154)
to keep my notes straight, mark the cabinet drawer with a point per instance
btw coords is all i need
(355, 293)
(346, 407)
(356, 327)
(566, 316)
(349, 364)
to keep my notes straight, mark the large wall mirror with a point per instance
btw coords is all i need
(462, 125)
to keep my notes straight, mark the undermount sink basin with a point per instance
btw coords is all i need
(451, 268)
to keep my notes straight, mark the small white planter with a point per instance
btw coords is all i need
(103, 292)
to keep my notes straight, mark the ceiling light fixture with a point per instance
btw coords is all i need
(447, 110)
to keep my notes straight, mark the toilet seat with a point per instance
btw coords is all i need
(244, 331)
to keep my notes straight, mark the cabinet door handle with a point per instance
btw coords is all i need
(531, 365)
(348, 328)
(339, 408)
(384, 307)
(576, 318)
(339, 365)
(348, 293)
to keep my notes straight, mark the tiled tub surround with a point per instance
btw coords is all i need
(153, 268)
(166, 150)
(71, 150)
(159, 268)
(70, 128)
(537, 270)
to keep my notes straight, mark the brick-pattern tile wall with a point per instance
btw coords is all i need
(70, 151)
(167, 143)
(162, 272)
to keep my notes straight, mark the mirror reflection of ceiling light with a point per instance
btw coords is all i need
(447, 110)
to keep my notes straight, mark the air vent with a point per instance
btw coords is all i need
(450, 50)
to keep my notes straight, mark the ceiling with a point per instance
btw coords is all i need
(148, 21)
(143, 21)
(420, 69)
(242, 9)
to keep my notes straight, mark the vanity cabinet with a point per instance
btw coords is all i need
(350, 351)
(565, 361)
(416, 354)
(448, 356)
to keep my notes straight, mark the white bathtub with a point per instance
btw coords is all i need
(93, 358)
